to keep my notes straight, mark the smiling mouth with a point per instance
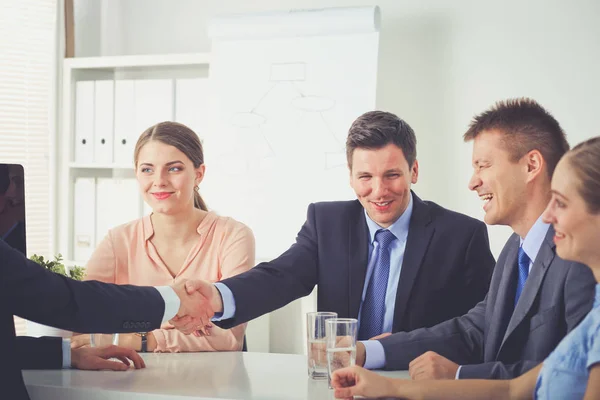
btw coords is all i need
(162, 195)
(486, 197)
(381, 203)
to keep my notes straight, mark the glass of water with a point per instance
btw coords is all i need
(341, 344)
(316, 343)
(104, 339)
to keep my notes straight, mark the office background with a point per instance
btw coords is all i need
(440, 62)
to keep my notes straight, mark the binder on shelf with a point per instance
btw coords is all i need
(192, 102)
(103, 122)
(84, 216)
(118, 201)
(84, 121)
(153, 103)
(125, 130)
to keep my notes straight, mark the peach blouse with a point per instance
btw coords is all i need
(127, 256)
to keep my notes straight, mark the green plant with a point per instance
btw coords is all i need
(58, 267)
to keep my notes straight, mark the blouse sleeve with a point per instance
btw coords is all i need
(593, 356)
(237, 256)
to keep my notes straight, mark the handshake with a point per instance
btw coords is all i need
(199, 301)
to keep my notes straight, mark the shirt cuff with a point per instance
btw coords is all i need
(172, 302)
(66, 353)
(374, 354)
(458, 372)
(228, 303)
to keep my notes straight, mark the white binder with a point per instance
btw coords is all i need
(126, 134)
(153, 103)
(192, 102)
(84, 208)
(118, 203)
(84, 122)
(103, 122)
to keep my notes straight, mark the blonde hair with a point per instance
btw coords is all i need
(585, 161)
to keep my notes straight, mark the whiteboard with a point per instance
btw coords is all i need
(281, 107)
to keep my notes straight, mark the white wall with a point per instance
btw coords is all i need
(440, 63)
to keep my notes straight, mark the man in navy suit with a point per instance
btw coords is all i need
(390, 259)
(34, 293)
(535, 297)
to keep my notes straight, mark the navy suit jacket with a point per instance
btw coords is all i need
(495, 340)
(446, 269)
(34, 293)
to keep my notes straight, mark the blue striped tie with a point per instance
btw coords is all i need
(523, 273)
(373, 308)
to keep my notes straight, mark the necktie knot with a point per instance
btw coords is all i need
(384, 238)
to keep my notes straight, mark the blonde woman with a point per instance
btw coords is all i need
(181, 239)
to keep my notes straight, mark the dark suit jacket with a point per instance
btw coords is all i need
(31, 292)
(446, 269)
(492, 341)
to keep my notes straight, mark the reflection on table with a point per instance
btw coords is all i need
(224, 375)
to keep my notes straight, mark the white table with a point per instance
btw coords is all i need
(185, 376)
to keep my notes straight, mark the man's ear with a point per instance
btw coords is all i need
(535, 164)
(414, 172)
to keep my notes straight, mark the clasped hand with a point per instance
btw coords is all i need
(197, 308)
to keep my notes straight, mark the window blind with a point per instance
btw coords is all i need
(27, 61)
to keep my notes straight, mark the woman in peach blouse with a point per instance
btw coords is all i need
(179, 240)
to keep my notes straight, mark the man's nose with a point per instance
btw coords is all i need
(474, 182)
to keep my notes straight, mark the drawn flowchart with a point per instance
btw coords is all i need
(285, 87)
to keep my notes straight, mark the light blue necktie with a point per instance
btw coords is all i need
(523, 273)
(373, 308)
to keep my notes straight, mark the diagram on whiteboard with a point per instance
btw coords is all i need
(286, 87)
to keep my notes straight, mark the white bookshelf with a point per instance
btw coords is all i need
(142, 67)
(139, 61)
(75, 165)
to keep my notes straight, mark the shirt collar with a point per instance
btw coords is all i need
(534, 238)
(149, 229)
(399, 228)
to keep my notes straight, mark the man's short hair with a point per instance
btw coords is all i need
(377, 129)
(526, 126)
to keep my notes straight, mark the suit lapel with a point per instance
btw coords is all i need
(533, 284)
(358, 247)
(420, 231)
(504, 301)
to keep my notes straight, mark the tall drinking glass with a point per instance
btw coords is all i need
(341, 344)
(316, 343)
(104, 339)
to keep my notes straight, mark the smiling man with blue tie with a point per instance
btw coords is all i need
(390, 259)
(535, 297)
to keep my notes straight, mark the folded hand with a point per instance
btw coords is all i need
(357, 381)
(94, 358)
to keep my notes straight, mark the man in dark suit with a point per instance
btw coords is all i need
(31, 292)
(535, 297)
(390, 259)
